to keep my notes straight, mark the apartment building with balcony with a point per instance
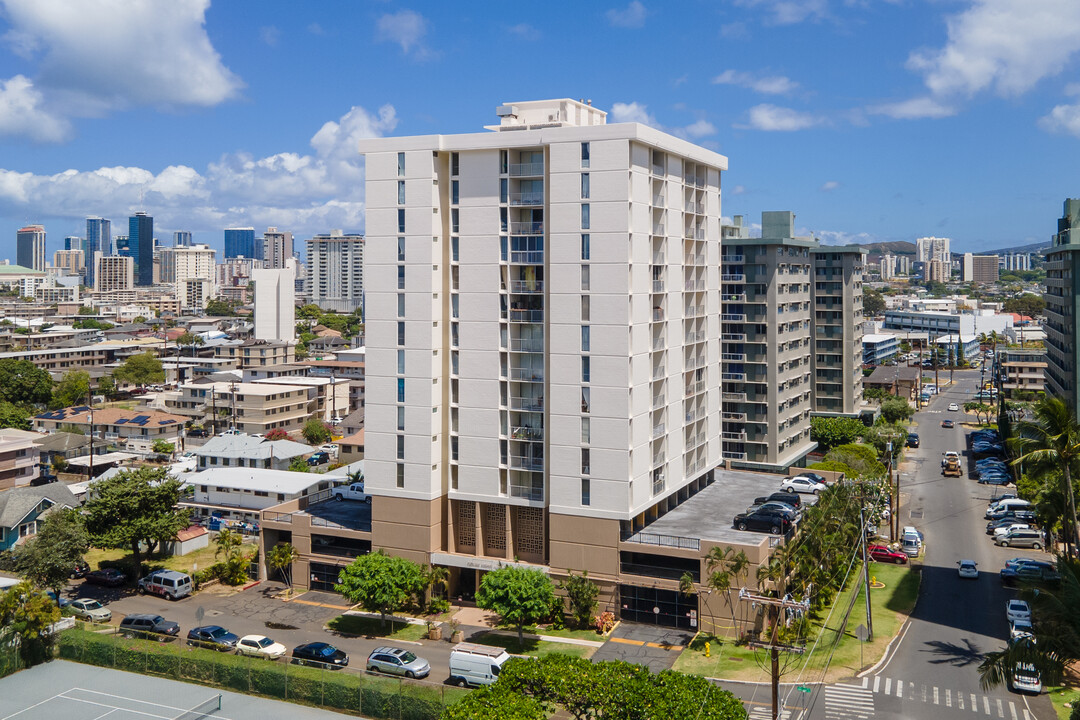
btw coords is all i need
(250, 407)
(1062, 296)
(19, 457)
(1022, 370)
(837, 321)
(335, 271)
(132, 430)
(543, 327)
(767, 345)
(257, 353)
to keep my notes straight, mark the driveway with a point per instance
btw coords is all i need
(655, 647)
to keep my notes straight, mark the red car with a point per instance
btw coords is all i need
(880, 553)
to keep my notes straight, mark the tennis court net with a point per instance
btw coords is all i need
(202, 710)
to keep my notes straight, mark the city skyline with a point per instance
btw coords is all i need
(898, 131)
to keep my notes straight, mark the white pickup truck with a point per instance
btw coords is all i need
(354, 491)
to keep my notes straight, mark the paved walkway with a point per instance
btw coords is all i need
(655, 647)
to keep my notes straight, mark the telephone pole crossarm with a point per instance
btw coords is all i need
(773, 646)
(802, 605)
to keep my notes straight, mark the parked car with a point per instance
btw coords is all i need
(1017, 610)
(992, 478)
(802, 483)
(320, 654)
(968, 569)
(90, 609)
(476, 665)
(354, 491)
(396, 661)
(143, 625)
(953, 407)
(1033, 571)
(881, 553)
(762, 522)
(913, 440)
(259, 646)
(791, 499)
(197, 433)
(1014, 525)
(109, 577)
(1029, 538)
(318, 458)
(212, 636)
(1005, 522)
(166, 583)
(775, 508)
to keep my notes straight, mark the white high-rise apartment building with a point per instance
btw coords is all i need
(275, 302)
(335, 271)
(933, 248)
(192, 272)
(542, 322)
(888, 267)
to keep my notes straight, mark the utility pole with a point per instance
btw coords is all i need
(866, 575)
(776, 613)
(90, 405)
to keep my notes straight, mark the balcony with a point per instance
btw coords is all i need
(696, 208)
(694, 415)
(733, 396)
(694, 286)
(524, 462)
(733, 298)
(733, 416)
(694, 311)
(526, 287)
(659, 372)
(658, 401)
(734, 455)
(694, 441)
(658, 229)
(698, 259)
(530, 345)
(658, 200)
(694, 388)
(659, 343)
(694, 362)
(526, 316)
(733, 337)
(527, 257)
(526, 375)
(732, 259)
(527, 404)
(526, 199)
(734, 435)
(733, 357)
(659, 259)
(526, 228)
(658, 458)
(657, 169)
(526, 492)
(658, 286)
(658, 315)
(733, 317)
(695, 337)
(733, 377)
(733, 277)
(527, 169)
(658, 430)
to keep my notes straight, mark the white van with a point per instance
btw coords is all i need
(472, 664)
(1001, 508)
(166, 583)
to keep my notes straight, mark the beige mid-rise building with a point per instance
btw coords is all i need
(837, 324)
(19, 455)
(113, 273)
(70, 262)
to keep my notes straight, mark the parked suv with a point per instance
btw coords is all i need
(791, 499)
(398, 662)
(1028, 537)
(166, 583)
(148, 625)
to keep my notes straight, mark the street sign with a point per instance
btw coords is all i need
(802, 688)
(199, 614)
(861, 633)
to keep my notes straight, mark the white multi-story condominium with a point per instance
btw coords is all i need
(933, 248)
(277, 248)
(837, 324)
(72, 262)
(542, 337)
(1063, 308)
(113, 272)
(30, 247)
(275, 297)
(335, 271)
(980, 268)
(190, 269)
(888, 267)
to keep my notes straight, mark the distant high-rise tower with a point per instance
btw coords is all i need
(240, 242)
(1062, 308)
(98, 240)
(73, 242)
(141, 247)
(335, 271)
(277, 247)
(933, 248)
(181, 238)
(30, 247)
(275, 303)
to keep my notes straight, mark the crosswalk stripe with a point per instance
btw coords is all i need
(1001, 709)
(865, 680)
(877, 682)
(899, 688)
(935, 695)
(1012, 709)
(924, 693)
(948, 697)
(888, 685)
(986, 704)
(960, 699)
(974, 703)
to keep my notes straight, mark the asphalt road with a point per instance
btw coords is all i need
(932, 670)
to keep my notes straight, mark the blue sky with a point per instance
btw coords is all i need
(870, 119)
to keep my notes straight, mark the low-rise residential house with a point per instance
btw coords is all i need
(351, 447)
(22, 508)
(352, 423)
(257, 353)
(241, 493)
(134, 430)
(252, 408)
(249, 451)
(1023, 370)
(896, 380)
(19, 458)
(58, 445)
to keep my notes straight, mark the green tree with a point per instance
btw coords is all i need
(23, 383)
(220, 308)
(1051, 441)
(381, 583)
(519, 595)
(84, 310)
(873, 302)
(832, 466)
(14, 416)
(877, 394)
(896, 409)
(881, 434)
(230, 547)
(135, 508)
(107, 386)
(92, 324)
(52, 554)
(281, 558)
(582, 594)
(981, 410)
(861, 459)
(73, 389)
(1028, 305)
(315, 431)
(141, 369)
(189, 339)
(829, 432)
(309, 311)
(163, 447)
(299, 464)
(25, 617)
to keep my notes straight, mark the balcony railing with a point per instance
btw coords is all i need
(531, 345)
(526, 228)
(658, 286)
(526, 492)
(734, 455)
(698, 259)
(526, 316)
(526, 287)
(693, 415)
(733, 317)
(526, 375)
(695, 337)
(733, 277)
(733, 337)
(694, 362)
(695, 387)
(694, 285)
(527, 198)
(658, 200)
(524, 462)
(527, 404)
(733, 396)
(734, 435)
(694, 311)
(658, 315)
(733, 416)
(736, 298)
(734, 259)
(694, 440)
(659, 259)
(697, 208)
(734, 377)
(659, 372)
(658, 458)
(526, 169)
(659, 343)
(671, 541)
(733, 357)
(658, 430)
(527, 257)
(658, 401)
(657, 169)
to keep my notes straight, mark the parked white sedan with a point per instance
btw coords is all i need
(259, 646)
(1017, 611)
(802, 484)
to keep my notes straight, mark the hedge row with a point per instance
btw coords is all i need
(374, 697)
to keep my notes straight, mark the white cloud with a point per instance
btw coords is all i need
(767, 85)
(524, 31)
(789, 12)
(95, 56)
(305, 193)
(407, 28)
(737, 190)
(270, 35)
(316, 29)
(22, 114)
(829, 186)
(772, 118)
(733, 30)
(839, 237)
(636, 112)
(914, 109)
(632, 16)
(1006, 46)
(1062, 119)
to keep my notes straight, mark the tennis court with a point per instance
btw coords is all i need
(73, 691)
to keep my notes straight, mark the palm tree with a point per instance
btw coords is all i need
(1051, 441)
(724, 566)
(281, 558)
(1057, 635)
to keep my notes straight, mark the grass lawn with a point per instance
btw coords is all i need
(204, 558)
(566, 632)
(890, 606)
(535, 648)
(1061, 695)
(373, 627)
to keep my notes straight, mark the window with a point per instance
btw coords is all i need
(585, 404)
(584, 186)
(455, 163)
(454, 249)
(401, 390)
(585, 308)
(585, 491)
(401, 164)
(584, 155)
(585, 246)
(585, 338)
(401, 249)
(401, 305)
(401, 418)
(585, 369)
(455, 192)
(401, 277)
(584, 461)
(400, 192)
(584, 277)
(454, 334)
(454, 306)
(586, 431)
(401, 447)
(400, 475)
(504, 190)
(401, 220)
(455, 220)
(401, 333)
(400, 362)
(584, 216)
(504, 161)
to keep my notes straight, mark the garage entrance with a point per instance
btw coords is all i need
(653, 606)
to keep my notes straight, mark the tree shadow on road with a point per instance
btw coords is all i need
(958, 655)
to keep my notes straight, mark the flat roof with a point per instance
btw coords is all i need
(876, 338)
(275, 481)
(709, 514)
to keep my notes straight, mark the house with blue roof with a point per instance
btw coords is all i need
(131, 430)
